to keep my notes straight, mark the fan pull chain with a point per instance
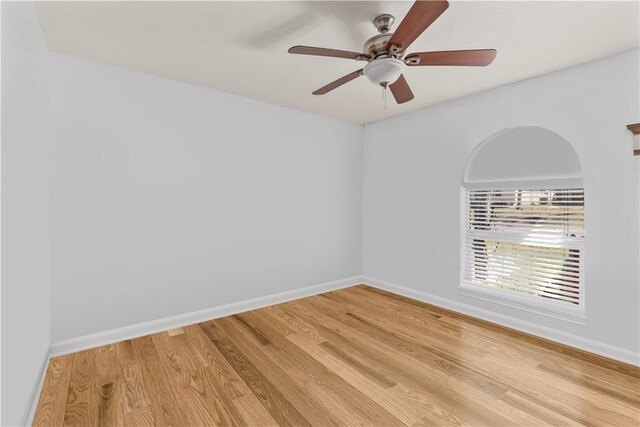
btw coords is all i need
(384, 94)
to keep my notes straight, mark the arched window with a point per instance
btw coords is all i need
(523, 223)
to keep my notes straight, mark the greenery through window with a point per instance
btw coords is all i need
(526, 242)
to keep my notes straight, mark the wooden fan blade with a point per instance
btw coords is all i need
(401, 90)
(477, 57)
(420, 16)
(337, 83)
(333, 53)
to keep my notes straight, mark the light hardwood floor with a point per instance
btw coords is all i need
(357, 356)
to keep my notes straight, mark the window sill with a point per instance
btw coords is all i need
(569, 314)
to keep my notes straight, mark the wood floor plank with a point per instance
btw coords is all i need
(591, 382)
(323, 407)
(110, 405)
(107, 369)
(189, 352)
(433, 413)
(271, 398)
(549, 416)
(141, 416)
(292, 324)
(168, 354)
(454, 341)
(133, 396)
(165, 408)
(567, 399)
(432, 420)
(328, 402)
(201, 395)
(109, 387)
(82, 404)
(295, 393)
(593, 392)
(357, 399)
(221, 372)
(523, 352)
(176, 331)
(199, 405)
(567, 402)
(404, 410)
(51, 406)
(480, 403)
(356, 356)
(538, 342)
(252, 412)
(541, 384)
(221, 402)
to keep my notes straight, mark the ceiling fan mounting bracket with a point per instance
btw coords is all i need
(383, 22)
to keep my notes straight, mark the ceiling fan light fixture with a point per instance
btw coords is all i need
(384, 49)
(384, 71)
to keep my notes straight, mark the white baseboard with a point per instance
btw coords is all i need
(27, 420)
(602, 349)
(141, 329)
(146, 328)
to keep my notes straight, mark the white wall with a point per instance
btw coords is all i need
(170, 198)
(413, 166)
(25, 208)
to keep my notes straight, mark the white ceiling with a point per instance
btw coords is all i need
(241, 47)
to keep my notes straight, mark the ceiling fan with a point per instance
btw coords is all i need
(385, 52)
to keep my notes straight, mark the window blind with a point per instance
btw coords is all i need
(525, 242)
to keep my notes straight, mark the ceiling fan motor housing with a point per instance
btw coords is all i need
(377, 45)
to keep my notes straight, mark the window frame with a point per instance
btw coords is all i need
(551, 308)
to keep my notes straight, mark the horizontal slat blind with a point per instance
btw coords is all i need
(527, 242)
